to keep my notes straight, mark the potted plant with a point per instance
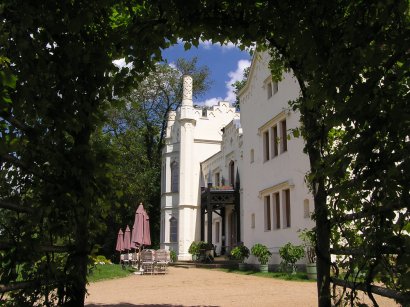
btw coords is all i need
(291, 254)
(240, 252)
(194, 250)
(263, 254)
(308, 238)
(173, 256)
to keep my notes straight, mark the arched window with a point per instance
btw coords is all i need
(232, 173)
(174, 177)
(173, 229)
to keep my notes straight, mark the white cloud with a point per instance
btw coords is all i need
(120, 63)
(234, 76)
(205, 44)
(210, 102)
(228, 46)
(208, 44)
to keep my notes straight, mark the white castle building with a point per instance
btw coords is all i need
(229, 178)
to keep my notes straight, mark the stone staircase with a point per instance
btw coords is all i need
(219, 262)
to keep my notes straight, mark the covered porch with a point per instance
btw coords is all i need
(225, 203)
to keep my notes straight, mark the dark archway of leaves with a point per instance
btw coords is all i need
(352, 62)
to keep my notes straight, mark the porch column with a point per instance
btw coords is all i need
(238, 207)
(203, 221)
(209, 209)
(209, 217)
(223, 214)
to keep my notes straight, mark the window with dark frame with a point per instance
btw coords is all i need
(268, 222)
(275, 87)
(277, 210)
(284, 136)
(306, 210)
(266, 145)
(253, 220)
(275, 150)
(287, 207)
(269, 89)
(232, 173)
(173, 229)
(217, 179)
(174, 177)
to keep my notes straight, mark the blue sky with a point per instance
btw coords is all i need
(226, 64)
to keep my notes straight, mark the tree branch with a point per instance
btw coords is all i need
(368, 211)
(25, 284)
(19, 285)
(361, 251)
(15, 207)
(42, 248)
(15, 122)
(402, 297)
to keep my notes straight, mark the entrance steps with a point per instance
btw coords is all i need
(219, 262)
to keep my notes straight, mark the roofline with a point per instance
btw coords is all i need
(252, 68)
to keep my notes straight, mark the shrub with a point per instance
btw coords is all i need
(290, 255)
(100, 259)
(261, 252)
(173, 256)
(309, 238)
(195, 247)
(240, 252)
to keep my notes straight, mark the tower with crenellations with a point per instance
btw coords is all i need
(193, 135)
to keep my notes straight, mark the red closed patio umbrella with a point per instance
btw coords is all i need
(140, 231)
(120, 241)
(127, 239)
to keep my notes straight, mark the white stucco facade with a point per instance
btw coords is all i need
(272, 170)
(192, 136)
(225, 168)
(274, 199)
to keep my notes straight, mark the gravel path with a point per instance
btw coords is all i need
(202, 287)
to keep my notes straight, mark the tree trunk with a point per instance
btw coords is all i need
(321, 211)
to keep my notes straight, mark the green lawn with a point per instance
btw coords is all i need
(109, 271)
(300, 276)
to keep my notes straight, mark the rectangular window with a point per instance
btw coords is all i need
(174, 177)
(253, 220)
(217, 179)
(276, 212)
(306, 210)
(275, 141)
(275, 87)
(284, 136)
(217, 232)
(286, 209)
(269, 89)
(252, 155)
(268, 222)
(173, 229)
(266, 146)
